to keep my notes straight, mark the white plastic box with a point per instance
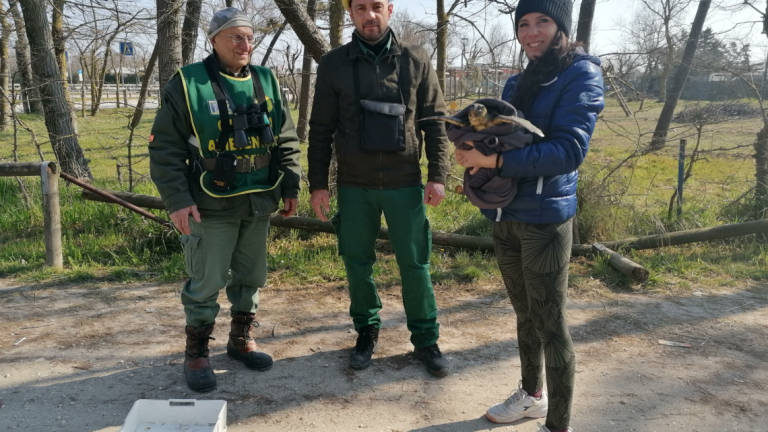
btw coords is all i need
(176, 415)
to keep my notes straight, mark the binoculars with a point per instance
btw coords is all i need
(251, 117)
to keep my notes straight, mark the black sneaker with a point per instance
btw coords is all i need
(433, 359)
(366, 341)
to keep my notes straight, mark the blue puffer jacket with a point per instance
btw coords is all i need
(566, 110)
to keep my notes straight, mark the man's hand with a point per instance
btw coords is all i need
(320, 201)
(434, 193)
(474, 160)
(289, 207)
(180, 218)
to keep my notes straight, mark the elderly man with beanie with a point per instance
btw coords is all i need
(561, 92)
(224, 154)
(368, 95)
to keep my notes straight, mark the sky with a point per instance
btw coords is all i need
(611, 16)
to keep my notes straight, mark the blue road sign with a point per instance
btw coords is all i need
(126, 48)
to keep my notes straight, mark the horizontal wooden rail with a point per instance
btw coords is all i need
(24, 169)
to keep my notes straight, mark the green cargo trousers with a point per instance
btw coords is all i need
(533, 260)
(224, 251)
(357, 225)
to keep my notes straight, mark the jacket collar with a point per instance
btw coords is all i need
(355, 51)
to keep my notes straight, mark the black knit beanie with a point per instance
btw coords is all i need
(558, 10)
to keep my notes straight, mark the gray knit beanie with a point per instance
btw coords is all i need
(226, 18)
(559, 10)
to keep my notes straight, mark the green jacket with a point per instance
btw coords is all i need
(175, 167)
(336, 115)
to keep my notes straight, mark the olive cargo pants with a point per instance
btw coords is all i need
(224, 251)
(357, 225)
(533, 260)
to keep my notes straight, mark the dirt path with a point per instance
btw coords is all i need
(75, 357)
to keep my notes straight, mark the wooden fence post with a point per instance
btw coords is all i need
(49, 177)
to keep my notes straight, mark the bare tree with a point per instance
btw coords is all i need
(681, 74)
(273, 42)
(5, 35)
(412, 31)
(306, 79)
(761, 141)
(189, 30)
(304, 27)
(58, 116)
(335, 22)
(667, 11)
(29, 94)
(288, 79)
(60, 41)
(101, 23)
(586, 14)
(169, 52)
(441, 37)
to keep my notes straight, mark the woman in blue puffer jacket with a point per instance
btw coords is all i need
(561, 92)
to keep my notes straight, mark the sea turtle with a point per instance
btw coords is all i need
(485, 113)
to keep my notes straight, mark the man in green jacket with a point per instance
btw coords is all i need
(223, 154)
(368, 95)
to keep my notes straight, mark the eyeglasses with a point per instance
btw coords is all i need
(237, 39)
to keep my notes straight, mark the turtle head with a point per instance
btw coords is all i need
(478, 115)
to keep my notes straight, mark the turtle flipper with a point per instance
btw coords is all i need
(530, 127)
(447, 119)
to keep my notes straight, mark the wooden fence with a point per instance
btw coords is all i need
(49, 177)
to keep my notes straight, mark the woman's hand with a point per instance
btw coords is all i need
(474, 160)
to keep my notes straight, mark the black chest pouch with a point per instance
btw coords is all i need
(382, 126)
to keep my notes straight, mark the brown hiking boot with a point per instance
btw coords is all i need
(241, 345)
(197, 369)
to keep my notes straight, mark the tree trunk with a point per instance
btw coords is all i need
(169, 51)
(189, 30)
(304, 27)
(306, 78)
(335, 22)
(5, 106)
(60, 42)
(273, 42)
(30, 95)
(441, 40)
(586, 14)
(678, 80)
(667, 66)
(98, 80)
(139, 111)
(761, 172)
(58, 116)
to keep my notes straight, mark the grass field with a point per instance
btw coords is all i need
(105, 241)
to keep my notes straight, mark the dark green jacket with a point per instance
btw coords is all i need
(336, 115)
(175, 171)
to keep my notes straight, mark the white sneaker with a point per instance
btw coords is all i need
(519, 405)
(543, 428)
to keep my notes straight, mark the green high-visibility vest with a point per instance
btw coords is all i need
(206, 124)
